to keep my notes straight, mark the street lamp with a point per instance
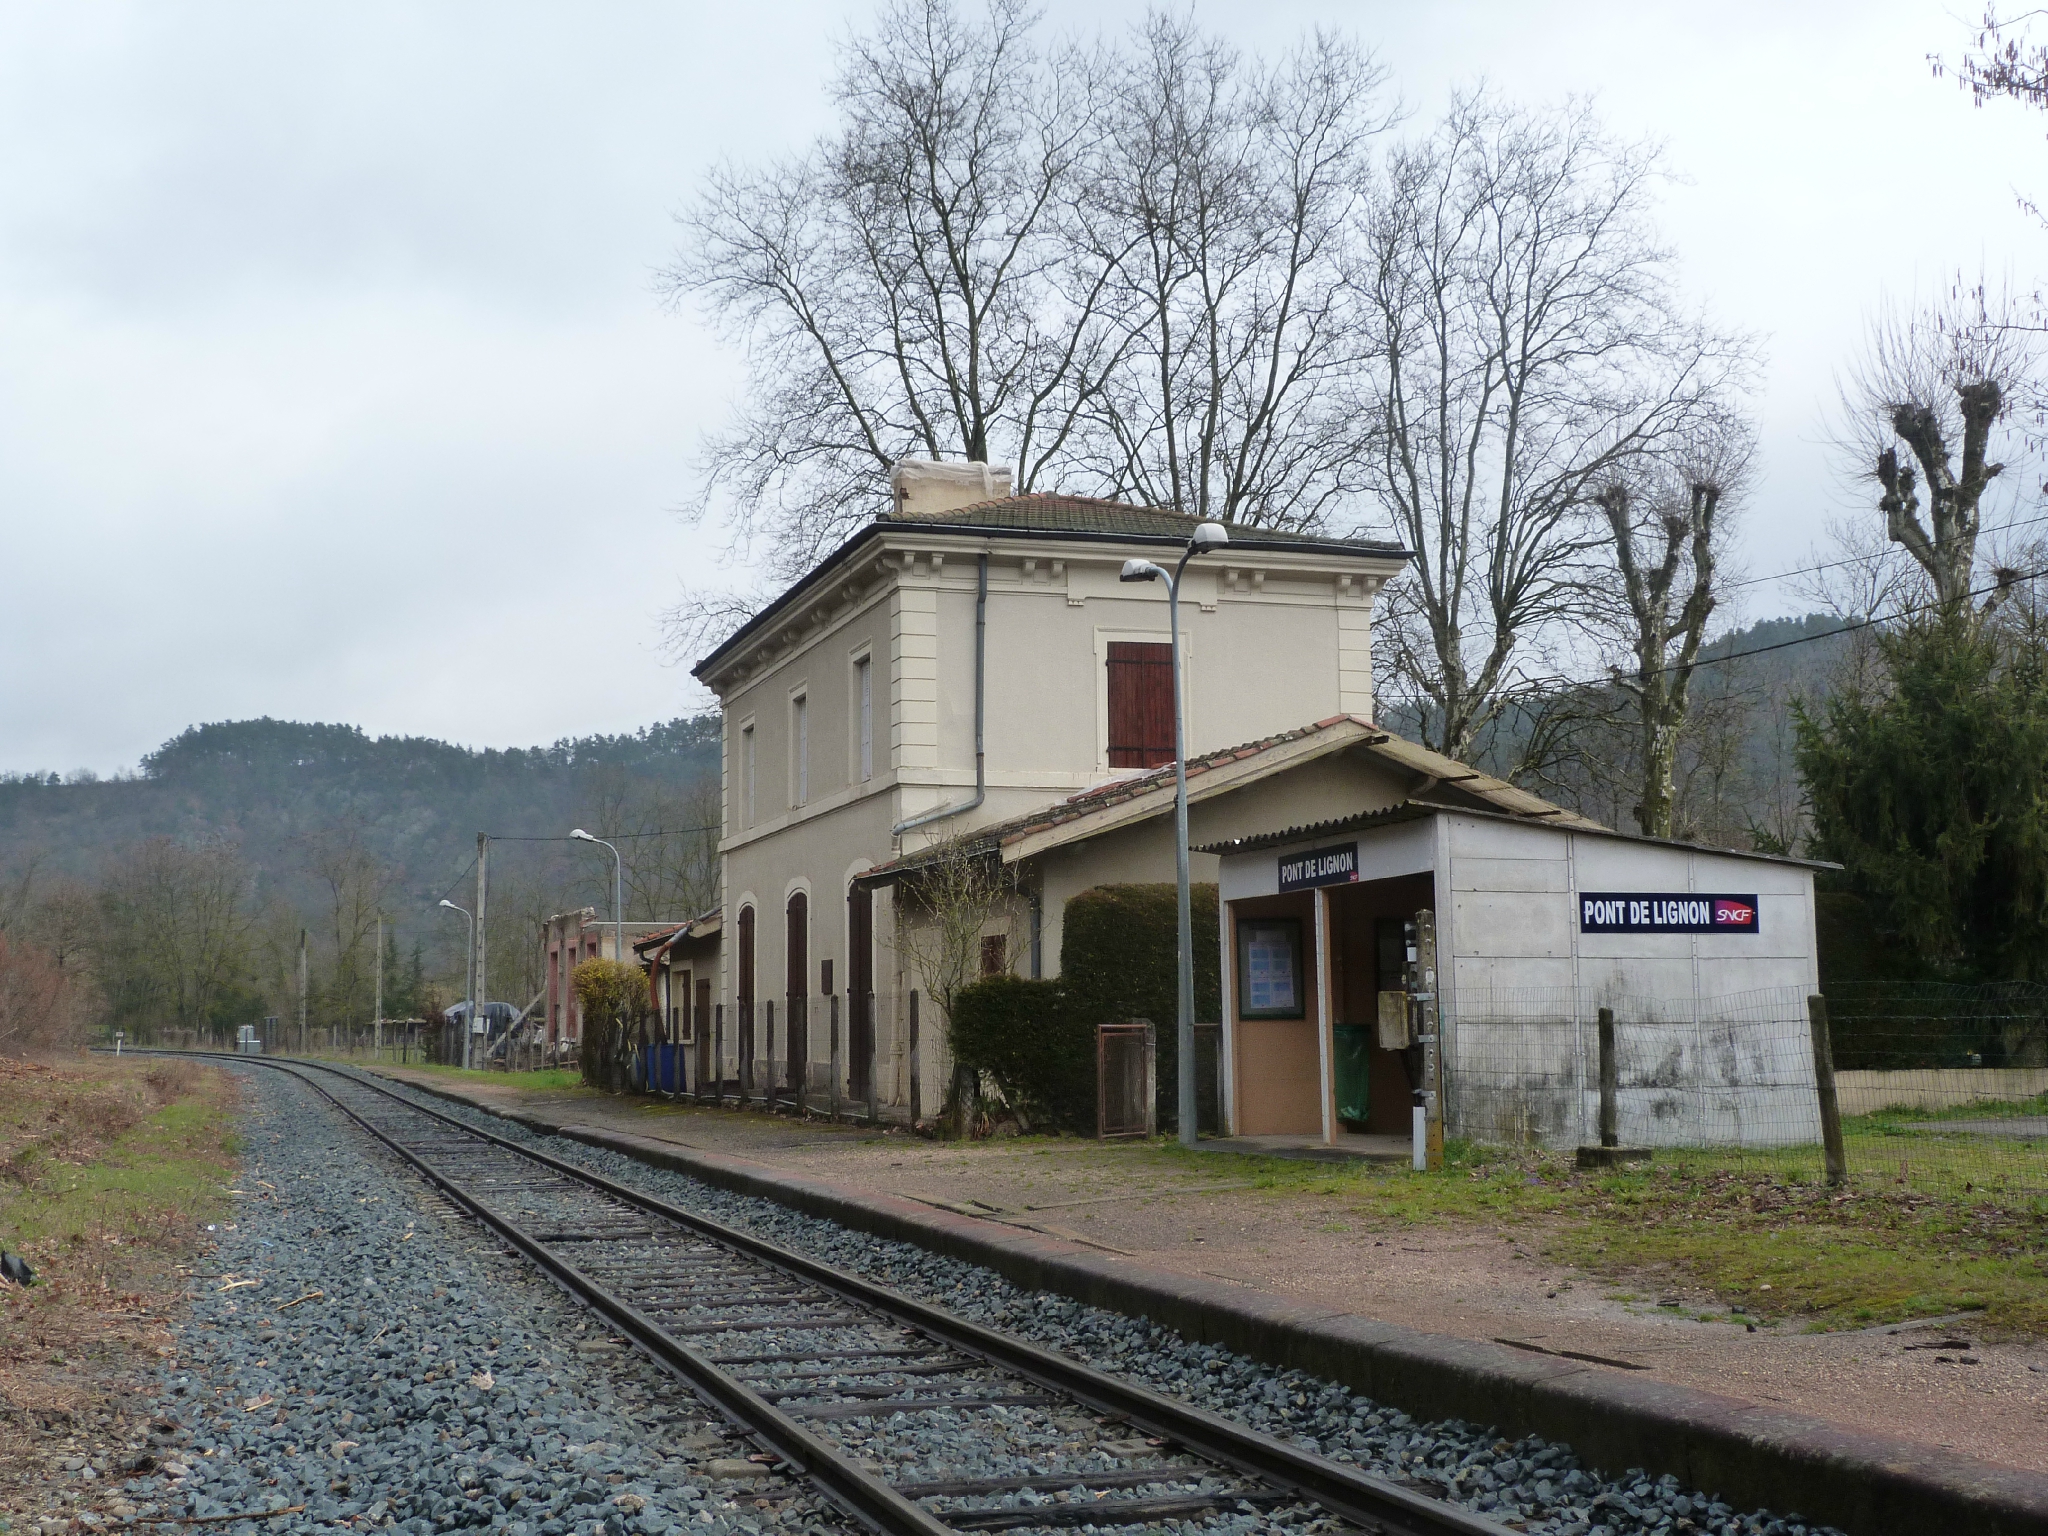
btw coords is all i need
(618, 896)
(468, 1024)
(1207, 536)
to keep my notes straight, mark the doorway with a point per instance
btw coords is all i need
(797, 956)
(1374, 1085)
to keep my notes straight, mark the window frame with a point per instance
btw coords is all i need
(799, 747)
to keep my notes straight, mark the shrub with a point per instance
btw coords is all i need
(42, 1006)
(1118, 962)
(1040, 1053)
(613, 997)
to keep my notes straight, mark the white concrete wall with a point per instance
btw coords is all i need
(1713, 1038)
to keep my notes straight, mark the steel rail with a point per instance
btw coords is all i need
(1373, 1503)
(870, 1500)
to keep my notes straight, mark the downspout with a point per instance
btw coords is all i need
(980, 708)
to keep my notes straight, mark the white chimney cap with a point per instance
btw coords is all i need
(930, 487)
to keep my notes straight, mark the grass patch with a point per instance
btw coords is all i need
(113, 1170)
(1759, 1231)
(113, 1156)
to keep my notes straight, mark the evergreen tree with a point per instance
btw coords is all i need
(1934, 796)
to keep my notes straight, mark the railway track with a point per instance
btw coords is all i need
(859, 1389)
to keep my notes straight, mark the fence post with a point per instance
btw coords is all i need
(718, 1053)
(1610, 1083)
(916, 1093)
(1824, 1086)
(874, 1063)
(834, 1011)
(768, 1038)
(799, 1075)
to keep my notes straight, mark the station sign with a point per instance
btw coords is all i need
(1334, 865)
(1674, 912)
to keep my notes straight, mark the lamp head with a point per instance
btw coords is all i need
(582, 836)
(1138, 570)
(450, 905)
(1209, 536)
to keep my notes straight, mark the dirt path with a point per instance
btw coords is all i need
(1989, 1400)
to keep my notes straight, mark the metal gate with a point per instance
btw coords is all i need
(1127, 1079)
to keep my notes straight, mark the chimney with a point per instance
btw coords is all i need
(927, 488)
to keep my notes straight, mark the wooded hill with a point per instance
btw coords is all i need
(413, 803)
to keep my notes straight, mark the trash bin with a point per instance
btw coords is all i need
(1354, 1084)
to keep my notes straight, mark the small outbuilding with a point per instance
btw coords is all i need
(1331, 844)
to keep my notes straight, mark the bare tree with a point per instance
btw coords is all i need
(174, 934)
(667, 836)
(1666, 537)
(1941, 382)
(960, 894)
(1533, 348)
(355, 882)
(903, 287)
(1224, 200)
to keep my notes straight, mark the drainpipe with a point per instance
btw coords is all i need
(980, 707)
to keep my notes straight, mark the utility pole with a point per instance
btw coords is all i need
(476, 1001)
(377, 1024)
(302, 991)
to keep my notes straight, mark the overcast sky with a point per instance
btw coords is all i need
(333, 385)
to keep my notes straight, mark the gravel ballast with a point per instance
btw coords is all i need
(427, 1381)
(1528, 1481)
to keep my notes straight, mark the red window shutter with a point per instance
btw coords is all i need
(1140, 704)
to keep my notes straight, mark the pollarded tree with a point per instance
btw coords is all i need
(1941, 384)
(1666, 532)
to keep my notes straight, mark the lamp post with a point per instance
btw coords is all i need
(468, 1024)
(1207, 536)
(618, 894)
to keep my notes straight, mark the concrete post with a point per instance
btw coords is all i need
(1824, 1085)
(1610, 1083)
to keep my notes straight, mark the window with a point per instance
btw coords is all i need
(1140, 704)
(747, 776)
(995, 954)
(800, 748)
(864, 704)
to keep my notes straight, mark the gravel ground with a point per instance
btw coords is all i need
(1529, 1480)
(436, 1383)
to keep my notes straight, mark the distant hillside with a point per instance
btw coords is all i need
(415, 803)
(1736, 780)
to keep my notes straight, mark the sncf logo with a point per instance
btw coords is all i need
(1734, 914)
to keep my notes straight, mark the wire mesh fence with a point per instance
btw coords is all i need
(1942, 1089)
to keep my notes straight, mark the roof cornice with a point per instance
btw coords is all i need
(894, 532)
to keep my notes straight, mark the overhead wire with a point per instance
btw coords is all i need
(1829, 565)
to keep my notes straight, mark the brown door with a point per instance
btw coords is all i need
(860, 987)
(1140, 704)
(797, 949)
(745, 1022)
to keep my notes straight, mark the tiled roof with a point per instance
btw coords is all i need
(1091, 514)
(1437, 772)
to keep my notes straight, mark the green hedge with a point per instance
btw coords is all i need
(1037, 1038)
(1023, 1034)
(1117, 962)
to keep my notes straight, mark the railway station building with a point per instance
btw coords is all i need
(966, 673)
